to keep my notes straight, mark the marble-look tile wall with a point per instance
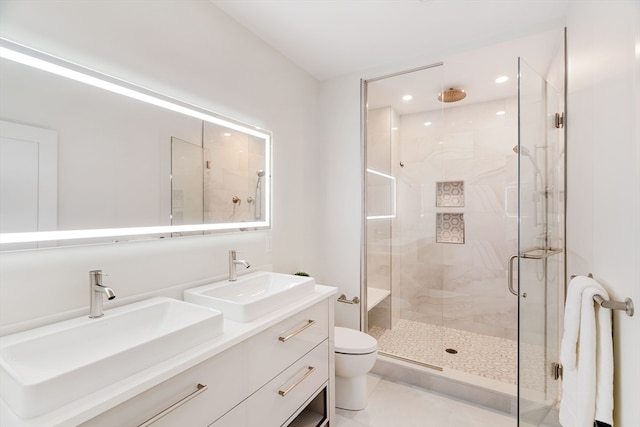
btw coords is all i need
(382, 146)
(235, 159)
(462, 286)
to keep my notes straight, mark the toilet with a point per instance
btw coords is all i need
(355, 354)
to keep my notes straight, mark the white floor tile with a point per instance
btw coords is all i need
(394, 404)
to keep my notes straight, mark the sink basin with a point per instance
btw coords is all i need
(48, 367)
(251, 296)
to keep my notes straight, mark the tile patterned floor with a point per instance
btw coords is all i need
(392, 404)
(481, 355)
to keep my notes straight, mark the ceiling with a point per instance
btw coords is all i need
(475, 71)
(330, 38)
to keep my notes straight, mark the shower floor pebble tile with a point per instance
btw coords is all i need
(393, 404)
(482, 355)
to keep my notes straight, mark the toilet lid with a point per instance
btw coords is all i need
(350, 341)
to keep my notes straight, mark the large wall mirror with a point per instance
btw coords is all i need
(89, 158)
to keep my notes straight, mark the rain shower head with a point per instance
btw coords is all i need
(452, 95)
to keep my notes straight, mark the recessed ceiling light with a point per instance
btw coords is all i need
(500, 113)
(502, 79)
(427, 123)
(407, 98)
(226, 134)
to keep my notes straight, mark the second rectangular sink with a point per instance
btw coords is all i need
(251, 296)
(49, 367)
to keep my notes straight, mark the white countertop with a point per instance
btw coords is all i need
(102, 400)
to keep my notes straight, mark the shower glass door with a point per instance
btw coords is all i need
(540, 231)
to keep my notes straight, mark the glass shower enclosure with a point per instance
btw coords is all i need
(464, 204)
(540, 243)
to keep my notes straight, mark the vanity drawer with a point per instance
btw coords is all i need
(274, 403)
(237, 417)
(190, 402)
(274, 349)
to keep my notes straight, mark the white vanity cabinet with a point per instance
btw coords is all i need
(267, 379)
(195, 397)
(278, 400)
(276, 348)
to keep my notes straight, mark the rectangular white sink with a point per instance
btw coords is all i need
(49, 367)
(251, 296)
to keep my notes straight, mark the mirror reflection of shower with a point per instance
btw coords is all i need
(258, 195)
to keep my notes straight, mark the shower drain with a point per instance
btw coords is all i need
(451, 351)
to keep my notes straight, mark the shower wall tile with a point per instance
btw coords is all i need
(486, 256)
(378, 139)
(485, 226)
(457, 255)
(487, 195)
(379, 254)
(460, 285)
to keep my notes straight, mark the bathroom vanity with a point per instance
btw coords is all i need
(275, 370)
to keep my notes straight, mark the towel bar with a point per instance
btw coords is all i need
(626, 305)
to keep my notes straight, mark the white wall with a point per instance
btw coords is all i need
(603, 186)
(190, 50)
(337, 197)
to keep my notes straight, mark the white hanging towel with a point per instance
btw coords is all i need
(586, 354)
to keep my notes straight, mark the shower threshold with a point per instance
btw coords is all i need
(404, 359)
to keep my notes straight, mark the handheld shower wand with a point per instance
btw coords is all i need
(258, 195)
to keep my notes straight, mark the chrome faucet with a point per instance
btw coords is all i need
(96, 289)
(232, 265)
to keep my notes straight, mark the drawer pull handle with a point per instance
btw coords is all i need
(201, 389)
(297, 331)
(310, 370)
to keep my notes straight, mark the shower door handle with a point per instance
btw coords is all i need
(510, 274)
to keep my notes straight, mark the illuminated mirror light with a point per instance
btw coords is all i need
(119, 87)
(47, 236)
(32, 58)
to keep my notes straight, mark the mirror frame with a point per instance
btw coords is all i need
(25, 55)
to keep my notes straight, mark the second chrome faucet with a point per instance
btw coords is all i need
(96, 291)
(233, 262)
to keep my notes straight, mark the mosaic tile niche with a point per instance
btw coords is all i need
(450, 228)
(450, 194)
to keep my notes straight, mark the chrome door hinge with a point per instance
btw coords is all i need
(556, 370)
(559, 120)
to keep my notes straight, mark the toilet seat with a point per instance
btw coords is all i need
(350, 341)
